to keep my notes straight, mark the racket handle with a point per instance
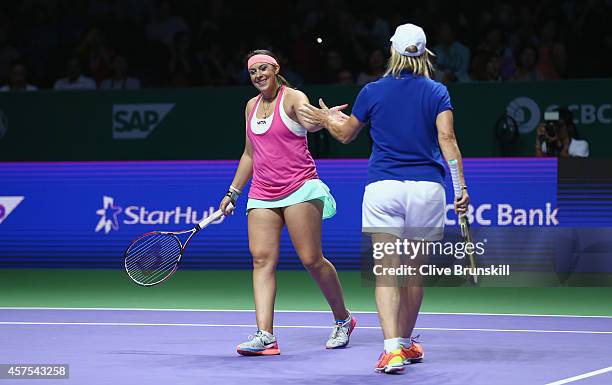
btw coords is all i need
(453, 165)
(211, 218)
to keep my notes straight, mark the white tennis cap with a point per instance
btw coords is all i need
(407, 36)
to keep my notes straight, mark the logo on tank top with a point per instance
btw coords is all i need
(262, 121)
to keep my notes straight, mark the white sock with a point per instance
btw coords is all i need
(405, 342)
(392, 344)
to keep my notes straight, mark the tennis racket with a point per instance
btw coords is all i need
(464, 224)
(153, 257)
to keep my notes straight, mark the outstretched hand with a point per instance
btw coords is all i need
(336, 113)
(324, 115)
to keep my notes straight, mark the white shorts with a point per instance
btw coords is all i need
(407, 209)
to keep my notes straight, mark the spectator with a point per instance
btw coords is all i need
(183, 63)
(302, 49)
(8, 54)
(18, 77)
(374, 29)
(494, 43)
(350, 45)
(552, 54)
(165, 24)
(560, 137)
(486, 67)
(376, 68)
(577, 148)
(333, 63)
(524, 32)
(42, 33)
(119, 79)
(527, 60)
(75, 80)
(215, 70)
(452, 57)
(345, 78)
(294, 78)
(96, 51)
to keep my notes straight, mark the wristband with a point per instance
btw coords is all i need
(234, 189)
(233, 196)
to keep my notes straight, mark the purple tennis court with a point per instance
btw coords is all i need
(121, 346)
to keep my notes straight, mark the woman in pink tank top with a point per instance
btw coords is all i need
(285, 190)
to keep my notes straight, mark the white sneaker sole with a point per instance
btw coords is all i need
(390, 369)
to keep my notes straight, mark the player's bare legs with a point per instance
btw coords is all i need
(387, 292)
(304, 226)
(411, 297)
(398, 300)
(265, 227)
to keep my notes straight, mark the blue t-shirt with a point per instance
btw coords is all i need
(402, 115)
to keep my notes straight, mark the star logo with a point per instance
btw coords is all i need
(108, 213)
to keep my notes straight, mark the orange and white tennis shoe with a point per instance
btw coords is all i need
(413, 353)
(390, 363)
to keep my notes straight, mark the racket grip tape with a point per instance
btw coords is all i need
(211, 218)
(453, 165)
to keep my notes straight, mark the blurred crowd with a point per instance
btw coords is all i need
(128, 44)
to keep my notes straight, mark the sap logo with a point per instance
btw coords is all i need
(137, 121)
(508, 215)
(7, 205)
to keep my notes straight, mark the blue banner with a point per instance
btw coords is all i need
(84, 214)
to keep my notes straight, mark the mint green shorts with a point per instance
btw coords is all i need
(311, 189)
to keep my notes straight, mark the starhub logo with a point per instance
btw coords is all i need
(112, 216)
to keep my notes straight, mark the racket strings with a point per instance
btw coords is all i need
(154, 249)
(147, 258)
(152, 275)
(153, 258)
(145, 242)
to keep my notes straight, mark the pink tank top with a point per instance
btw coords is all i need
(281, 160)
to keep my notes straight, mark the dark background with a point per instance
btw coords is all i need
(201, 43)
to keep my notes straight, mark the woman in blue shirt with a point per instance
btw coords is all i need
(411, 123)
